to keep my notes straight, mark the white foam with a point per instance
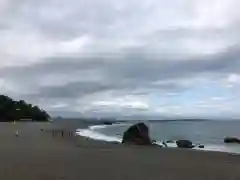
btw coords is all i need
(104, 126)
(97, 127)
(91, 133)
(210, 147)
(96, 135)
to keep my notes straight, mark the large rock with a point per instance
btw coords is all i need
(200, 146)
(184, 144)
(107, 123)
(137, 134)
(232, 140)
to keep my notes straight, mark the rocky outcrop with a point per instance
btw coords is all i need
(232, 140)
(107, 123)
(164, 144)
(184, 144)
(169, 141)
(137, 134)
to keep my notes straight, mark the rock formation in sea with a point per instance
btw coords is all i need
(107, 123)
(169, 141)
(232, 140)
(184, 144)
(137, 134)
(200, 146)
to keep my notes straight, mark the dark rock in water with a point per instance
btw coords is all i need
(107, 123)
(164, 143)
(232, 140)
(184, 144)
(200, 146)
(137, 134)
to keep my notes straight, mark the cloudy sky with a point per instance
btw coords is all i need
(178, 58)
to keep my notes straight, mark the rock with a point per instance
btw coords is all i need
(184, 144)
(169, 141)
(200, 146)
(137, 134)
(164, 143)
(107, 123)
(232, 140)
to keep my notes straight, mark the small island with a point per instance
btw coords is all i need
(11, 110)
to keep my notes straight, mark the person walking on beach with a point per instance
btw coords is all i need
(53, 133)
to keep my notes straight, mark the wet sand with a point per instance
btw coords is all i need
(36, 154)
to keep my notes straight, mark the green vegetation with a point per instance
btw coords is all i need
(11, 110)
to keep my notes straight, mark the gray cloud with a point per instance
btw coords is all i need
(130, 74)
(133, 65)
(69, 52)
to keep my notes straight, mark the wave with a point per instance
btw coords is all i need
(91, 133)
(102, 126)
(96, 135)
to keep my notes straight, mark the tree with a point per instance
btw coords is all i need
(18, 110)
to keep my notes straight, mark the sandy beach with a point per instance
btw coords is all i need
(36, 154)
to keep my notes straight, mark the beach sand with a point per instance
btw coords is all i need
(37, 155)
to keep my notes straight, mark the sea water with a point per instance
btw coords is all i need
(209, 133)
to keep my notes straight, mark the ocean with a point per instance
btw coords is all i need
(209, 133)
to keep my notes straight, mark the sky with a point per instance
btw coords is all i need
(177, 58)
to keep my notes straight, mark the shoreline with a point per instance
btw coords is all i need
(89, 132)
(91, 142)
(36, 154)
